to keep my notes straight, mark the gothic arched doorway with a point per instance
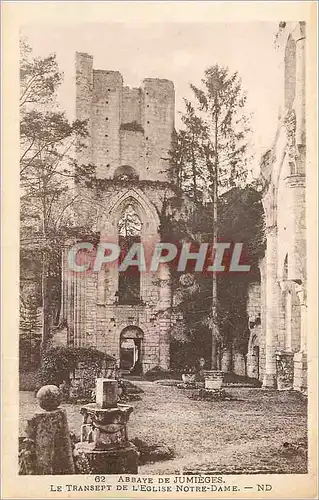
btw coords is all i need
(131, 344)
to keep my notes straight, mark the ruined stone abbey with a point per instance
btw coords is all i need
(130, 132)
(277, 304)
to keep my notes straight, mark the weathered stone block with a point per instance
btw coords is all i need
(112, 461)
(106, 392)
(213, 379)
(50, 434)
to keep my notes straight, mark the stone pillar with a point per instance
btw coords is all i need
(288, 338)
(71, 336)
(226, 361)
(300, 358)
(262, 335)
(164, 321)
(48, 431)
(285, 370)
(252, 365)
(69, 294)
(84, 89)
(269, 380)
(300, 84)
(63, 284)
(239, 364)
(164, 343)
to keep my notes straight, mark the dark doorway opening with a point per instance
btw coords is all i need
(131, 344)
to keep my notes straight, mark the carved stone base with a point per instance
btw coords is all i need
(111, 461)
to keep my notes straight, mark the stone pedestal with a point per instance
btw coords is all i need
(213, 379)
(104, 446)
(285, 370)
(300, 372)
(112, 461)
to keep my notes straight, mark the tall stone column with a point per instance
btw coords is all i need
(75, 308)
(288, 339)
(300, 98)
(165, 314)
(300, 358)
(269, 380)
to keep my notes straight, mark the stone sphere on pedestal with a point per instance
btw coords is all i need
(49, 397)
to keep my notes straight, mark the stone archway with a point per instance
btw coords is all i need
(131, 349)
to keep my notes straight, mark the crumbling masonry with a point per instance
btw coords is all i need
(130, 133)
(278, 343)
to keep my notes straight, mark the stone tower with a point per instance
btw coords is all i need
(129, 136)
(127, 126)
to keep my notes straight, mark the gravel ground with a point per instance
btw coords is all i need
(259, 431)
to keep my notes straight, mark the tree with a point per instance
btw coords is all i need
(240, 219)
(213, 148)
(187, 154)
(47, 169)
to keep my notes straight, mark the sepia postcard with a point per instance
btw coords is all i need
(159, 249)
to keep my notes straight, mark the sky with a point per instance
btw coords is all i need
(176, 51)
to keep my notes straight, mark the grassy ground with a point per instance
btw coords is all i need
(259, 431)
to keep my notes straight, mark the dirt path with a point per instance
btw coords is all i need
(245, 434)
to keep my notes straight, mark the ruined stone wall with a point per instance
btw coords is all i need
(111, 108)
(97, 320)
(255, 358)
(106, 120)
(158, 123)
(84, 93)
(126, 127)
(254, 301)
(132, 150)
(132, 105)
(262, 336)
(284, 283)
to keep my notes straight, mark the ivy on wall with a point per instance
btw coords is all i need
(59, 362)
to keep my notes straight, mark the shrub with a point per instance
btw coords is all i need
(158, 373)
(153, 452)
(59, 362)
(29, 380)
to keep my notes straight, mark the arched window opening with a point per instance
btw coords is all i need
(290, 73)
(129, 284)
